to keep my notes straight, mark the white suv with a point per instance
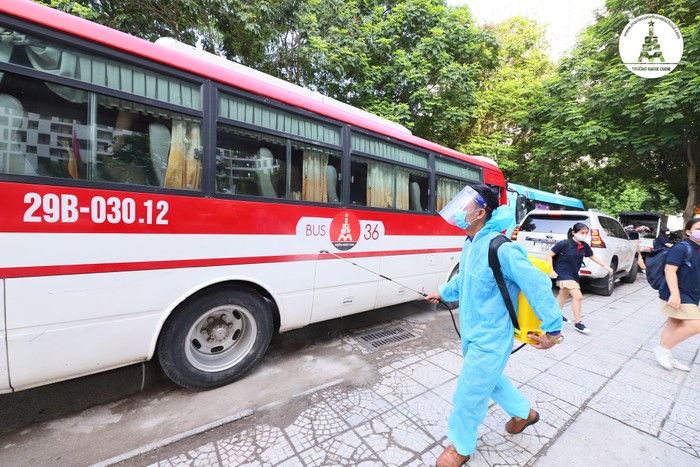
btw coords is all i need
(541, 230)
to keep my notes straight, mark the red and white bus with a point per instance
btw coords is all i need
(159, 201)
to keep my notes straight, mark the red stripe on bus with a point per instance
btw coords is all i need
(101, 268)
(33, 208)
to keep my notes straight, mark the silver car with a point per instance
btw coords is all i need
(541, 230)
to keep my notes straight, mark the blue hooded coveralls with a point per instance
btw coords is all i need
(487, 330)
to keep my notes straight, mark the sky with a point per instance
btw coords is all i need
(564, 19)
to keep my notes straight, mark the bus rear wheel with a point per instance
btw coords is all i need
(215, 338)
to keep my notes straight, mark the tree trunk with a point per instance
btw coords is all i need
(691, 203)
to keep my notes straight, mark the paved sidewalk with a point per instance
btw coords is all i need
(602, 398)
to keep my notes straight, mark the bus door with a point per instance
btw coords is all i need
(341, 288)
(4, 376)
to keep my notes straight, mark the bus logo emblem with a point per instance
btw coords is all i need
(345, 231)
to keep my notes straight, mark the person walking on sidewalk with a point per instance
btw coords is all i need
(680, 296)
(570, 254)
(663, 240)
(486, 327)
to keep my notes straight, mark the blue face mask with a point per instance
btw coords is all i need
(461, 219)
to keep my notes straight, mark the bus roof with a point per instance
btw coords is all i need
(545, 196)
(193, 62)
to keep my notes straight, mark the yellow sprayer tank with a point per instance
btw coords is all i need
(527, 319)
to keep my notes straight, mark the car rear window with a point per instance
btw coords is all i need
(549, 223)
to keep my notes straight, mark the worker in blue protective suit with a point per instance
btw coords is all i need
(486, 327)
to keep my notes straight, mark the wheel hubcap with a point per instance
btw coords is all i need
(221, 338)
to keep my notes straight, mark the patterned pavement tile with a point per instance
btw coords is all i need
(688, 393)
(681, 436)
(577, 375)
(634, 375)
(495, 449)
(609, 358)
(428, 412)
(315, 425)
(536, 359)
(624, 347)
(573, 393)
(447, 390)
(427, 374)
(395, 438)
(554, 411)
(686, 414)
(429, 457)
(519, 371)
(396, 388)
(448, 360)
(265, 443)
(632, 406)
(342, 450)
(354, 406)
(203, 456)
(593, 365)
(645, 361)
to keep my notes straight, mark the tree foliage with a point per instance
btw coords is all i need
(507, 95)
(598, 114)
(590, 129)
(416, 62)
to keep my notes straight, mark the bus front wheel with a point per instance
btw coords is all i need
(215, 338)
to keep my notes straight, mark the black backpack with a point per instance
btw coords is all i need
(656, 262)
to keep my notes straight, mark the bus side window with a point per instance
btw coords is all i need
(334, 178)
(332, 184)
(265, 164)
(148, 146)
(447, 189)
(320, 175)
(250, 163)
(358, 183)
(12, 157)
(418, 192)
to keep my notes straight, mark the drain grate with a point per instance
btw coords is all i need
(382, 338)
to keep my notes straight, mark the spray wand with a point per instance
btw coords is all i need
(422, 294)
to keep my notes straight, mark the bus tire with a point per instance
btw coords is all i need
(215, 338)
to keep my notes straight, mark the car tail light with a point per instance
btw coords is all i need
(596, 241)
(514, 235)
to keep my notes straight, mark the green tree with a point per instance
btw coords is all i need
(508, 94)
(241, 30)
(416, 62)
(598, 112)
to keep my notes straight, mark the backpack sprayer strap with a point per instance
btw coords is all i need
(496, 268)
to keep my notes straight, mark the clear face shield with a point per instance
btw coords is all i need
(468, 198)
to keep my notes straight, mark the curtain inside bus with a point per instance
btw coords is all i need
(446, 190)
